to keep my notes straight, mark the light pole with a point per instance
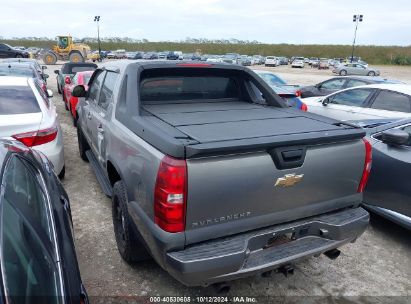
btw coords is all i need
(97, 19)
(356, 19)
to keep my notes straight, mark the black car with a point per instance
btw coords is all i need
(150, 56)
(38, 259)
(7, 51)
(23, 70)
(136, 55)
(339, 83)
(172, 56)
(388, 191)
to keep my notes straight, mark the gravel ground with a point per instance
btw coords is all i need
(377, 266)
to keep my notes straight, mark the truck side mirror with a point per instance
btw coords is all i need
(56, 72)
(395, 137)
(325, 102)
(79, 91)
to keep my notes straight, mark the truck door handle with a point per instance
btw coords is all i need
(89, 115)
(293, 155)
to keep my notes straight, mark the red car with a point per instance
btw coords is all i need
(70, 102)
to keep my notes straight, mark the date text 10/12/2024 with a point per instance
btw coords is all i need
(203, 299)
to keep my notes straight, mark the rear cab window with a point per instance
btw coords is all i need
(178, 86)
(17, 100)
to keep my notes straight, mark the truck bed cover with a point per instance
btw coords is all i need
(211, 127)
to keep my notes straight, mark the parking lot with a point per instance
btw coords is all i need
(378, 265)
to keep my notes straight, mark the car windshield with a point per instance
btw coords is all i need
(86, 78)
(72, 69)
(80, 69)
(17, 100)
(14, 71)
(272, 79)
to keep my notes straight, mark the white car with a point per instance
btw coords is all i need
(214, 58)
(375, 101)
(271, 61)
(29, 116)
(298, 62)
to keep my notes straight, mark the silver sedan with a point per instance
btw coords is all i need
(355, 69)
(29, 116)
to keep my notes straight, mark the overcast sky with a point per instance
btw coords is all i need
(269, 21)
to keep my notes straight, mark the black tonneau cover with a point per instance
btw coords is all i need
(210, 127)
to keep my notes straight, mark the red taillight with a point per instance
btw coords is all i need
(367, 166)
(170, 195)
(37, 138)
(67, 80)
(194, 65)
(298, 93)
(44, 87)
(304, 107)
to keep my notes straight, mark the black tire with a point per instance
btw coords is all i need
(371, 73)
(83, 145)
(50, 58)
(19, 56)
(343, 73)
(76, 57)
(58, 87)
(128, 244)
(75, 120)
(62, 173)
(65, 102)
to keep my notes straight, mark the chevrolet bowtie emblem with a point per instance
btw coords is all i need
(288, 180)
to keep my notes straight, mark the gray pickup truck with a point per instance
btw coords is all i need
(212, 175)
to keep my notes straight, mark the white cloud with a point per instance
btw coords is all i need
(279, 21)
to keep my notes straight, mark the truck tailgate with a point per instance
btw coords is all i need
(278, 165)
(235, 193)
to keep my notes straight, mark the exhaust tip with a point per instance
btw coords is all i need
(332, 254)
(222, 288)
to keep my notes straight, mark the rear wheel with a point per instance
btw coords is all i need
(371, 73)
(343, 72)
(74, 120)
(19, 56)
(128, 244)
(76, 57)
(50, 58)
(83, 145)
(65, 102)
